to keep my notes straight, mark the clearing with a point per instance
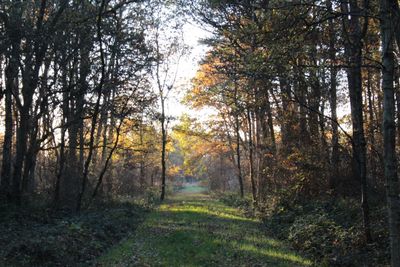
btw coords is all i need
(193, 229)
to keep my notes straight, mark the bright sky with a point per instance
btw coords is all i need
(187, 70)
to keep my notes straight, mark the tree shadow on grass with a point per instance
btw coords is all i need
(203, 233)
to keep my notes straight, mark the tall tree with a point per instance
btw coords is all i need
(355, 30)
(388, 34)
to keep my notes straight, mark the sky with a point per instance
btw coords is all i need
(189, 64)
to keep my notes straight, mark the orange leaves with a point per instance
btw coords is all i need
(207, 79)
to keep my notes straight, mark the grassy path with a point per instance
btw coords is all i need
(191, 229)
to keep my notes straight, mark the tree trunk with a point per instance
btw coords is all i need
(251, 159)
(142, 155)
(371, 129)
(238, 156)
(333, 104)
(301, 95)
(389, 131)
(237, 135)
(163, 149)
(353, 51)
(270, 123)
(99, 92)
(22, 134)
(314, 98)
(286, 114)
(107, 161)
(11, 84)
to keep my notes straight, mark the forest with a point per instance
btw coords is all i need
(291, 162)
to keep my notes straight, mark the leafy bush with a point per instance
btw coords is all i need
(234, 200)
(320, 236)
(330, 232)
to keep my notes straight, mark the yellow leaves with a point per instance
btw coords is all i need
(190, 144)
(196, 146)
(174, 171)
(169, 147)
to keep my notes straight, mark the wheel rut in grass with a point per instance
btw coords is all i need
(193, 229)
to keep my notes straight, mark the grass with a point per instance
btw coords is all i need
(193, 188)
(192, 229)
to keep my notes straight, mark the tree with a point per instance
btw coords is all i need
(66, 65)
(169, 49)
(355, 33)
(388, 34)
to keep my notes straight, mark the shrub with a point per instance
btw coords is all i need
(66, 240)
(234, 200)
(320, 236)
(330, 232)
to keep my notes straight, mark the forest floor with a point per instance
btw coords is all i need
(37, 236)
(193, 229)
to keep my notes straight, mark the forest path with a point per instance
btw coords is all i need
(193, 229)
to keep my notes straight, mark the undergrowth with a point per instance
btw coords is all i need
(36, 236)
(329, 232)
